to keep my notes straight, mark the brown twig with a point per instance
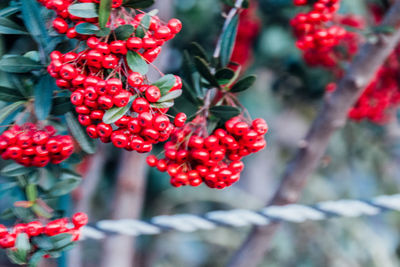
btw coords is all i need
(332, 117)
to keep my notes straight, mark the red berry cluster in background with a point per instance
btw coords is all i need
(31, 145)
(323, 38)
(193, 157)
(248, 30)
(321, 31)
(36, 228)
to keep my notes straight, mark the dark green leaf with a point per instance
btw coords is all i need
(10, 95)
(7, 110)
(197, 50)
(137, 63)
(144, 26)
(228, 40)
(224, 76)
(34, 22)
(104, 12)
(9, 27)
(103, 32)
(138, 3)
(114, 114)
(170, 96)
(244, 84)
(225, 112)
(60, 241)
(83, 10)
(64, 187)
(205, 72)
(61, 105)
(232, 3)
(123, 32)
(189, 93)
(165, 83)
(8, 11)
(43, 242)
(18, 64)
(14, 169)
(79, 134)
(44, 97)
(87, 29)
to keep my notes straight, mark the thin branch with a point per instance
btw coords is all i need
(332, 117)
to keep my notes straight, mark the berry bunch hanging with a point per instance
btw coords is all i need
(34, 230)
(193, 157)
(111, 93)
(33, 145)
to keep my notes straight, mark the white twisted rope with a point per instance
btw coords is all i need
(294, 213)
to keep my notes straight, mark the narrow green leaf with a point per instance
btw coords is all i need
(104, 12)
(83, 10)
(10, 94)
(204, 70)
(36, 258)
(144, 26)
(123, 32)
(225, 112)
(44, 97)
(167, 104)
(61, 105)
(224, 76)
(14, 169)
(138, 3)
(9, 27)
(79, 134)
(170, 96)
(197, 50)
(114, 114)
(103, 32)
(64, 187)
(228, 41)
(244, 84)
(7, 110)
(18, 64)
(87, 28)
(165, 83)
(8, 11)
(40, 211)
(137, 63)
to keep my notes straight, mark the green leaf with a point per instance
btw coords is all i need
(64, 187)
(87, 28)
(83, 10)
(104, 12)
(9, 27)
(190, 94)
(79, 134)
(36, 258)
(165, 83)
(123, 32)
(7, 186)
(137, 63)
(138, 3)
(44, 97)
(61, 240)
(225, 112)
(42, 242)
(16, 257)
(144, 26)
(31, 192)
(232, 3)
(170, 96)
(22, 243)
(61, 105)
(204, 70)
(167, 104)
(35, 22)
(224, 76)
(244, 84)
(197, 50)
(114, 114)
(10, 94)
(8, 11)
(103, 32)
(7, 110)
(40, 211)
(14, 169)
(228, 40)
(18, 64)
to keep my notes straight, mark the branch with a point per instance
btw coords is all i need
(332, 117)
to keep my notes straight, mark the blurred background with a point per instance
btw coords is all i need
(362, 161)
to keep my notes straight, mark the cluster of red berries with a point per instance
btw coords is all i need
(192, 157)
(320, 31)
(36, 228)
(65, 22)
(143, 125)
(30, 145)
